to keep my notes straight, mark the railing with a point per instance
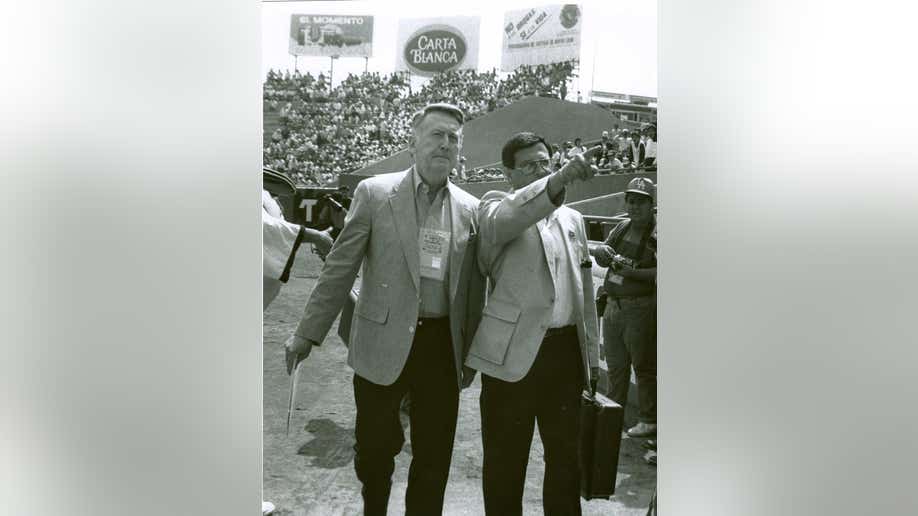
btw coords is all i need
(588, 145)
(598, 227)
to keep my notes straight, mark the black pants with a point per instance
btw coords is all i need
(550, 396)
(429, 377)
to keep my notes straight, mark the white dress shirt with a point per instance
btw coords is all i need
(562, 313)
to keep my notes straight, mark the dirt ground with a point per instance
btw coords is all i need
(310, 472)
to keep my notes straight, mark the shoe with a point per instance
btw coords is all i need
(267, 508)
(643, 430)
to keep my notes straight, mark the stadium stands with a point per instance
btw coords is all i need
(313, 132)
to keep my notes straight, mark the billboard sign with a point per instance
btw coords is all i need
(331, 35)
(428, 46)
(541, 35)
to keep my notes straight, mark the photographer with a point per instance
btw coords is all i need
(629, 321)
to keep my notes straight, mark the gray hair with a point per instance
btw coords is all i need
(438, 107)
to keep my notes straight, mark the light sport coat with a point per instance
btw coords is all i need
(521, 287)
(381, 233)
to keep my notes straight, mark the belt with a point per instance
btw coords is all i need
(618, 300)
(630, 298)
(432, 320)
(563, 331)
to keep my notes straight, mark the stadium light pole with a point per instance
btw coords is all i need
(593, 71)
(331, 75)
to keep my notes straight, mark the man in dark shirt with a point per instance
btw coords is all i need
(636, 150)
(629, 322)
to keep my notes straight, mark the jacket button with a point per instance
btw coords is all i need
(411, 329)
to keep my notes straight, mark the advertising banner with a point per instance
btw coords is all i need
(541, 35)
(331, 35)
(427, 46)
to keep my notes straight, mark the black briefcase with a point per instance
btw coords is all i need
(601, 422)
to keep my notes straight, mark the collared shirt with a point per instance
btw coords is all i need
(579, 149)
(433, 215)
(562, 312)
(636, 153)
(650, 149)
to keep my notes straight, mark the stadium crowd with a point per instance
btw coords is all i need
(325, 131)
(623, 151)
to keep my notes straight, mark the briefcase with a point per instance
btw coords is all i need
(600, 438)
(347, 315)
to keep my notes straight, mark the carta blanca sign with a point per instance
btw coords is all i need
(427, 46)
(435, 48)
(329, 35)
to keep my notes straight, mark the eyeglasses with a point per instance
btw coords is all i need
(535, 165)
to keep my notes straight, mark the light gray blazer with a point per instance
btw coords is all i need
(521, 293)
(381, 233)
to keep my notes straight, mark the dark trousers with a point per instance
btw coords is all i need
(629, 334)
(429, 377)
(549, 395)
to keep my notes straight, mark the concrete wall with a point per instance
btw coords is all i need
(580, 191)
(588, 191)
(556, 120)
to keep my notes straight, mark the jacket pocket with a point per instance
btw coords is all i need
(373, 312)
(498, 322)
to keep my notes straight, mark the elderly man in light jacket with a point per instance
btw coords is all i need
(537, 344)
(414, 234)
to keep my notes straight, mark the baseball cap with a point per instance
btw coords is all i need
(641, 185)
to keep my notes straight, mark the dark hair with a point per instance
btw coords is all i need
(518, 142)
(438, 107)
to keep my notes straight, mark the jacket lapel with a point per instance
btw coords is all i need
(401, 201)
(539, 227)
(460, 218)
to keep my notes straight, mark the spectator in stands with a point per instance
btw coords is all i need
(623, 141)
(576, 149)
(650, 144)
(461, 172)
(601, 158)
(568, 145)
(556, 157)
(636, 149)
(614, 164)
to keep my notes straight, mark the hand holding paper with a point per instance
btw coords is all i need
(297, 349)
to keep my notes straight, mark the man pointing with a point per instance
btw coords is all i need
(536, 346)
